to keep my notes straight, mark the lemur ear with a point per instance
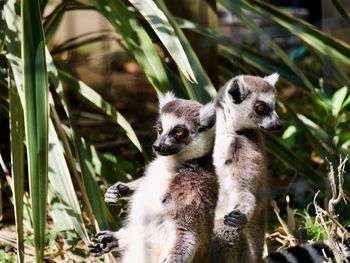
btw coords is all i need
(272, 79)
(165, 98)
(207, 116)
(237, 90)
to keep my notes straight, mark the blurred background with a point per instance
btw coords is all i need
(107, 60)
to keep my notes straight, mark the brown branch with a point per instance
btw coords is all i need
(328, 220)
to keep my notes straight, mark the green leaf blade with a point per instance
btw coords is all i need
(96, 100)
(36, 111)
(138, 41)
(17, 163)
(326, 45)
(338, 100)
(158, 20)
(62, 185)
(195, 79)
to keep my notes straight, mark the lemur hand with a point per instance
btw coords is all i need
(235, 219)
(115, 192)
(102, 243)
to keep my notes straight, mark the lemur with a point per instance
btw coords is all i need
(316, 252)
(243, 106)
(172, 209)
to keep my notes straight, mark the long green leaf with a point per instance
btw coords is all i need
(53, 21)
(82, 40)
(342, 10)
(2, 26)
(174, 40)
(62, 185)
(71, 162)
(17, 163)
(278, 149)
(249, 55)
(235, 7)
(90, 191)
(36, 111)
(13, 44)
(138, 41)
(320, 134)
(13, 56)
(326, 45)
(155, 16)
(103, 217)
(319, 146)
(338, 100)
(96, 100)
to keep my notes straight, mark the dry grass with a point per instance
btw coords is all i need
(325, 219)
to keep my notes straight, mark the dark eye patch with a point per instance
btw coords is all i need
(261, 108)
(179, 131)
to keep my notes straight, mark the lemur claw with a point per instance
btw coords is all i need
(102, 243)
(235, 219)
(115, 192)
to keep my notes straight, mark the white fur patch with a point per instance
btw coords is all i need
(150, 232)
(316, 257)
(207, 113)
(169, 121)
(272, 79)
(165, 98)
(228, 190)
(240, 79)
(290, 257)
(268, 97)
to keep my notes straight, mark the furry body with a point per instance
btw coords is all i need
(241, 169)
(172, 207)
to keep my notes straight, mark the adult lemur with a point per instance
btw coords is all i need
(243, 105)
(172, 210)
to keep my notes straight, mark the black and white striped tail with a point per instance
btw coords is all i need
(307, 253)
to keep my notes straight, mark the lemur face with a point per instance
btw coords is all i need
(184, 128)
(250, 102)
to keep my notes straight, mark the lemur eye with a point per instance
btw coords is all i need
(260, 107)
(179, 133)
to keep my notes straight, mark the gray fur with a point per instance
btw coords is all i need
(190, 193)
(257, 84)
(176, 107)
(239, 160)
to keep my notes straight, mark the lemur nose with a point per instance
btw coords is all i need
(156, 147)
(278, 127)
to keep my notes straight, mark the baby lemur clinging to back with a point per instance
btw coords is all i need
(172, 209)
(243, 105)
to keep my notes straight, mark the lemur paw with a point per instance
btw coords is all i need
(228, 235)
(235, 219)
(102, 243)
(115, 192)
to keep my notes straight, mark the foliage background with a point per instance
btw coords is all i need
(54, 173)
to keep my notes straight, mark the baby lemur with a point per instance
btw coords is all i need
(172, 208)
(243, 106)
